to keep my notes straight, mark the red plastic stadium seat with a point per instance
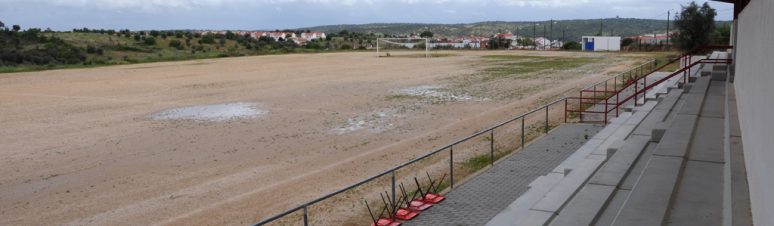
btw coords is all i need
(386, 222)
(433, 198)
(405, 214)
(419, 205)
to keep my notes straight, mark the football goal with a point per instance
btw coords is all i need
(402, 47)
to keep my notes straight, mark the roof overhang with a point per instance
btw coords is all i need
(738, 5)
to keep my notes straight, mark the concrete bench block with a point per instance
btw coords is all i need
(617, 166)
(656, 134)
(701, 85)
(687, 88)
(719, 67)
(692, 105)
(719, 76)
(585, 206)
(649, 200)
(677, 137)
(560, 194)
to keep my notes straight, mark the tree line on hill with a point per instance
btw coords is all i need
(31, 47)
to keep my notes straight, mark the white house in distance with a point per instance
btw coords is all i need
(313, 35)
(601, 43)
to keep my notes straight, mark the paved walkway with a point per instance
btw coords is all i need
(480, 199)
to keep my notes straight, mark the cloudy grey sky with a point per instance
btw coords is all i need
(280, 14)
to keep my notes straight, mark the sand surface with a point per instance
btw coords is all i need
(233, 140)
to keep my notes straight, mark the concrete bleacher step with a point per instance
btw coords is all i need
(647, 204)
(649, 201)
(536, 207)
(590, 200)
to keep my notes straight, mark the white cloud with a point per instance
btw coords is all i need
(154, 5)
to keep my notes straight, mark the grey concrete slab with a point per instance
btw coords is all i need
(717, 89)
(649, 201)
(482, 197)
(653, 119)
(677, 137)
(614, 170)
(740, 195)
(609, 212)
(585, 206)
(714, 106)
(707, 142)
(631, 178)
(692, 104)
(734, 115)
(719, 76)
(560, 194)
(701, 85)
(698, 199)
(669, 100)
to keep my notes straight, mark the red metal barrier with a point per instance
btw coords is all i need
(685, 60)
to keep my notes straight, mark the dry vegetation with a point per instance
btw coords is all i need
(80, 146)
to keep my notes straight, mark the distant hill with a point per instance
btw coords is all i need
(573, 29)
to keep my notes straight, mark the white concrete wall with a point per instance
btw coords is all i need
(754, 85)
(604, 43)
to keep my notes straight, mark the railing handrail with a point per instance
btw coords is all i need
(684, 57)
(398, 167)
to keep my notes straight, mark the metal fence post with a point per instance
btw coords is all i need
(522, 132)
(546, 119)
(491, 147)
(451, 166)
(306, 217)
(393, 186)
(565, 110)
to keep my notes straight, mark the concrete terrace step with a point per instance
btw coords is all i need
(540, 204)
(651, 200)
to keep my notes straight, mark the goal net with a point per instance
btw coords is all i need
(402, 47)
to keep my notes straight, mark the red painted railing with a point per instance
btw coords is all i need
(638, 85)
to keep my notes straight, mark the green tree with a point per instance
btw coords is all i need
(695, 25)
(2, 25)
(571, 45)
(722, 35)
(176, 44)
(208, 38)
(626, 42)
(426, 34)
(150, 41)
(16, 28)
(155, 33)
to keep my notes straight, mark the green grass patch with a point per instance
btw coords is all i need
(508, 66)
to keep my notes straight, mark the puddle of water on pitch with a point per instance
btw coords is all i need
(212, 112)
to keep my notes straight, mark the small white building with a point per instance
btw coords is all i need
(601, 43)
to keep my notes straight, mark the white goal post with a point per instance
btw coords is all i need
(404, 43)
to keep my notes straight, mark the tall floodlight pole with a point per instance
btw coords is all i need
(667, 34)
(551, 33)
(534, 35)
(377, 48)
(517, 35)
(544, 36)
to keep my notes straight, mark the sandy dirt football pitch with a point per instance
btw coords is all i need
(233, 140)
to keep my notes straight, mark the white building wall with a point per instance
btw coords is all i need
(754, 85)
(604, 43)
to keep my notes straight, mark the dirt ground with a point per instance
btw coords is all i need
(82, 146)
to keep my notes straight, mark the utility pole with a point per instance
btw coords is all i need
(534, 35)
(544, 36)
(517, 36)
(551, 31)
(667, 34)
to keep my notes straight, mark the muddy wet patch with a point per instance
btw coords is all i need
(212, 112)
